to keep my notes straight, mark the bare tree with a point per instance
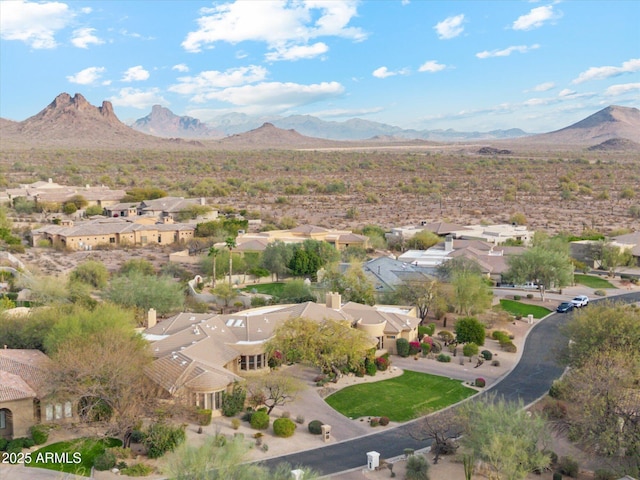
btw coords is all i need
(442, 429)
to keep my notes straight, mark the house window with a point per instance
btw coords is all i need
(159, 238)
(112, 239)
(58, 411)
(252, 362)
(381, 342)
(143, 239)
(3, 419)
(49, 412)
(68, 412)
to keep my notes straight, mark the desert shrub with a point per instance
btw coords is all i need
(300, 419)
(600, 293)
(557, 476)
(602, 474)
(555, 391)
(443, 358)
(315, 427)
(529, 296)
(486, 354)
(28, 442)
(161, 438)
(374, 422)
(3, 444)
(495, 363)
(470, 330)
(517, 297)
(137, 470)
(233, 402)
(204, 416)
(426, 348)
(427, 329)
(568, 466)
(402, 346)
(384, 421)
(509, 347)
(258, 301)
(14, 446)
(137, 436)
(445, 335)
(499, 334)
(40, 434)
(284, 427)
(470, 349)
(235, 423)
(120, 452)
(480, 382)
(417, 468)
(556, 410)
(370, 367)
(436, 347)
(260, 420)
(414, 347)
(286, 414)
(105, 461)
(383, 362)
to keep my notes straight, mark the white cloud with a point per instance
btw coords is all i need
(212, 80)
(33, 23)
(507, 51)
(86, 10)
(87, 76)
(384, 72)
(297, 52)
(544, 87)
(349, 113)
(289, 25)
(450, 27)
(135, 98)
(431, 66)
(135, 74)
(600, 73)
(621, 89)
(180, 67)
(566, 92)
(83, 37)
(535, 18)
(277, 95)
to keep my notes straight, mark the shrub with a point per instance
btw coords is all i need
(233, 402)
(3, 444)
(443, 358)
(370, 367)
(382, 363)
(602, 474)
(161, 438)
(557, 476)
(470, 330)
(17, 444)
(374, 422)
(470, 349)
(315, 427)
(286, 414)
(498, 334)
(480, 382)
(260, 420)
(417, 468)
(555, 391)
(137, 470)
(568, 466)
(235, 423)
(28, 442)
(509, 347)
(436, 347)
(414, 347)
(284, 427)
(517, 297)
(384, 421)
(137, 436)
(204, 417)
(40, 434)
(445, 335)
(427, 329)
(600, 293)
(402, 346)
(486, 354)
(426, 348)
(120, 452)
(529, 296)
(495, 363)
(106, 461)
(300, 419)
(555, 410)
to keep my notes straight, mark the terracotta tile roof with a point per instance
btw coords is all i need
(12, 387)
(28, 367)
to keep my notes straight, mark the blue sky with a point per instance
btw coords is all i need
(466, 65)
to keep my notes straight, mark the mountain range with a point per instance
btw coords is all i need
(72, 122)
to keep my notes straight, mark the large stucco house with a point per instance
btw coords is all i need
(23, 394)
(200, 356)
(112, 232)
(51, 192)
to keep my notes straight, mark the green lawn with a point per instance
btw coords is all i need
(401, 398)
(523, 309)
(592, 281)
(274, 288)
(80, 454)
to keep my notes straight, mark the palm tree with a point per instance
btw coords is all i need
(231, 244)
(213, 252)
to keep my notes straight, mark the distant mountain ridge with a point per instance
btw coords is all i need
(308, 125)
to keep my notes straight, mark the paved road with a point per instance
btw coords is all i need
(528, 381)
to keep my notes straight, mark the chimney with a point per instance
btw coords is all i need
(334, 300)
(448, 243)
(151, 318)
(203, 201)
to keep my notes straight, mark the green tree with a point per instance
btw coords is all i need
(91, 272)
(505, 436)
(422, 240)
(424, 295)
(544, 265)
(224, 292)
(139, 194)
(471, 294)
(276, 258)
(230, 242)
(457, 265)
(46, 289)
(470, 330)
(613, 257)
(296, 291)
(137, 265)
(213, 253)
(146, 291)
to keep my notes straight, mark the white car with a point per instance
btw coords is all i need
(580, 301)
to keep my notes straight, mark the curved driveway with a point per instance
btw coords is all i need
(528, 381)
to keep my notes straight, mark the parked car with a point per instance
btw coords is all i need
(565, 307)
(580, 301)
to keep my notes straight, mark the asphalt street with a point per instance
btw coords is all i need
(529, 380)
